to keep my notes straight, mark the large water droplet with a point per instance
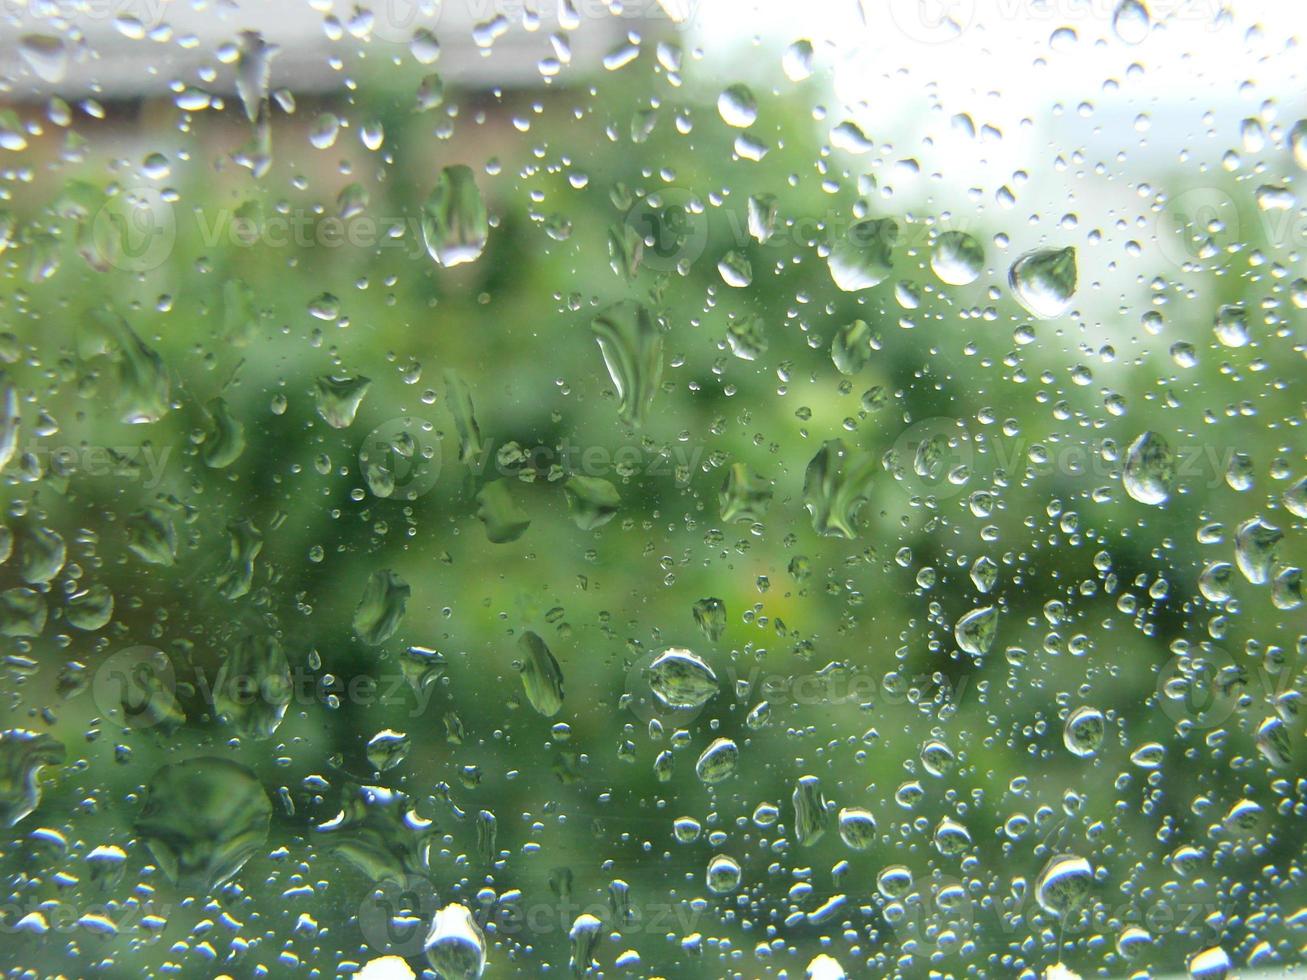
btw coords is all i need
(717, 761)
(339, 398)
(865, 256)
(456, 946)
(737, 106)
(1063, 884)
(203, 819)
(1044, 281)
(455, 224)
(976, 630)
(542, 677)
(46, 55)
(1083, 733)
(381, 607)
(811, 811)
(631, 343)
(253, 687)
(23, 754)
(957, 258)
(680, 679)
(1149, 471)
(1255, 542)
(1131, 21)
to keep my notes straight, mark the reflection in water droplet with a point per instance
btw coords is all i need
(455, 946)
(203, 819)
(796, 61)
(717, 761)
(1083, 733)
(1044, 281)
(1064, 884)
(1131, 21)
(864, 257)
(542, 678)
(724, 874)
(339, 398)
(836, 484)
(591, 500)
(631, 343)
(46, 55)
(1255, 543)
(23, 754)
(680, 679)
(811, 811)
(1149, 471)
(957, 258)
(455, 224)
(737, 106)
(976, 630)
(381, 608)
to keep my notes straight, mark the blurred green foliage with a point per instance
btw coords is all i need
(852, 638)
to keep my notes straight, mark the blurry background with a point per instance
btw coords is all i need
(187, 216)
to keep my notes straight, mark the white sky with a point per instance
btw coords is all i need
(887, 57)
